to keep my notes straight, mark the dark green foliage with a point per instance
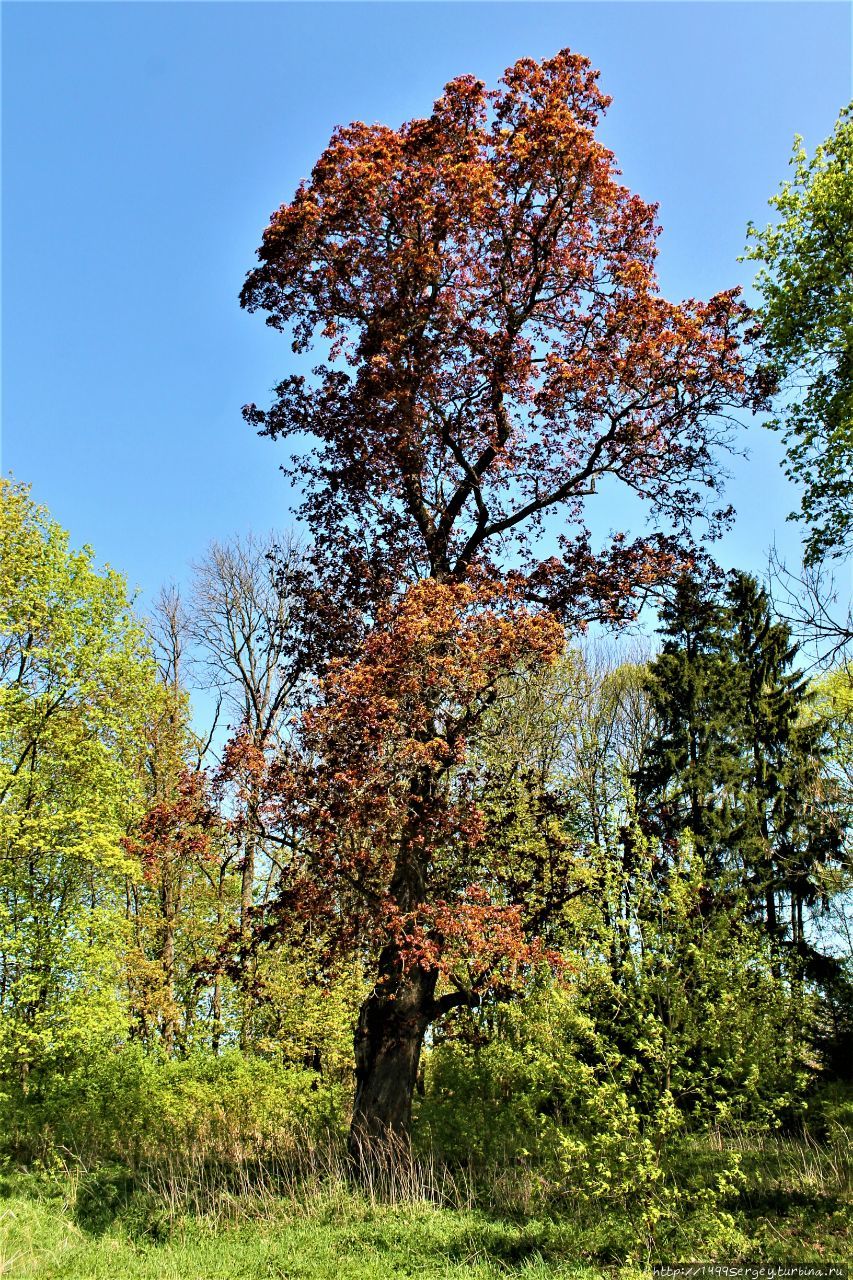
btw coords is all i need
(110, 1196)
(784, 827)
(833, 1036)
(737, 760)
(692, 685)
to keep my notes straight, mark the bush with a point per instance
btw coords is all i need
(129, 1106)
(542, 1088)
(830, 1112)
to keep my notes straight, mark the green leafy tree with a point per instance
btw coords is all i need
(76, 685)
(806, 283)
(553, 762)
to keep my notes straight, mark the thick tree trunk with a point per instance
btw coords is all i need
(388, 1041)
(393, 1020)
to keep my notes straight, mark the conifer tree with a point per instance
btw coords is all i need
(783, 823)
(693, 691)
(737, 761)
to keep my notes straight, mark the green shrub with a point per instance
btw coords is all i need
(130, 1106)
(829, 1113)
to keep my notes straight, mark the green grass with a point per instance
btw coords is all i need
(341, 1241)
(797, 1198)
(793, 1205)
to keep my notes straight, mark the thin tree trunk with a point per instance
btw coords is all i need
(216, 1031)
(772, 922)
(167, 957)
(247, 896)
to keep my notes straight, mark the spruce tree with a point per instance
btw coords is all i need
(768, 698)
(737, 761)
(681, 786)
(783, 825)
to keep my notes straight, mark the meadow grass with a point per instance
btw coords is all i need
(348, 1239)
(194, 1220)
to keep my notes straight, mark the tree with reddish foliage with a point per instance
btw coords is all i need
(385, 806)
(497, 347)
(175, 845)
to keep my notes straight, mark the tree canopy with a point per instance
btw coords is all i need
(806, 283)
(77, 691)
(497, 345)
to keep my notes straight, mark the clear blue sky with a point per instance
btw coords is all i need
(146, 144)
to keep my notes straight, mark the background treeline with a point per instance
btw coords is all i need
(677, 821)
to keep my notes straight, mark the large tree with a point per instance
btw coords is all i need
(245, 626)
(495, 347)
(806, 286)
(739, 757)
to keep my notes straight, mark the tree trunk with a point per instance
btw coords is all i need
(247, 885)
(772, 922)
(168, 907)
(216, 1030)
(247, 898)
(388, 1040)
(392, 1021)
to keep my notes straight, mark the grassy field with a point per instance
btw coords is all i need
(794, 1205)
(347, 1242)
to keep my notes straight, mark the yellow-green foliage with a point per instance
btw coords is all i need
(671, 1019)
(135, 1106)
(304, 1008)
(76, 686)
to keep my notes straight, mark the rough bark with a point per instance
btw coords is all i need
(388, 1040)
(389, 1037)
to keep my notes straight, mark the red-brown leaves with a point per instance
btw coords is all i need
(470, 940)
(179, 828)
(497, 346)
(492, 286)
(382, 780)
(426, 672)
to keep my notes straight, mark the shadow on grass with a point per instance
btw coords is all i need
(782, 1202)
(111, 1196)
